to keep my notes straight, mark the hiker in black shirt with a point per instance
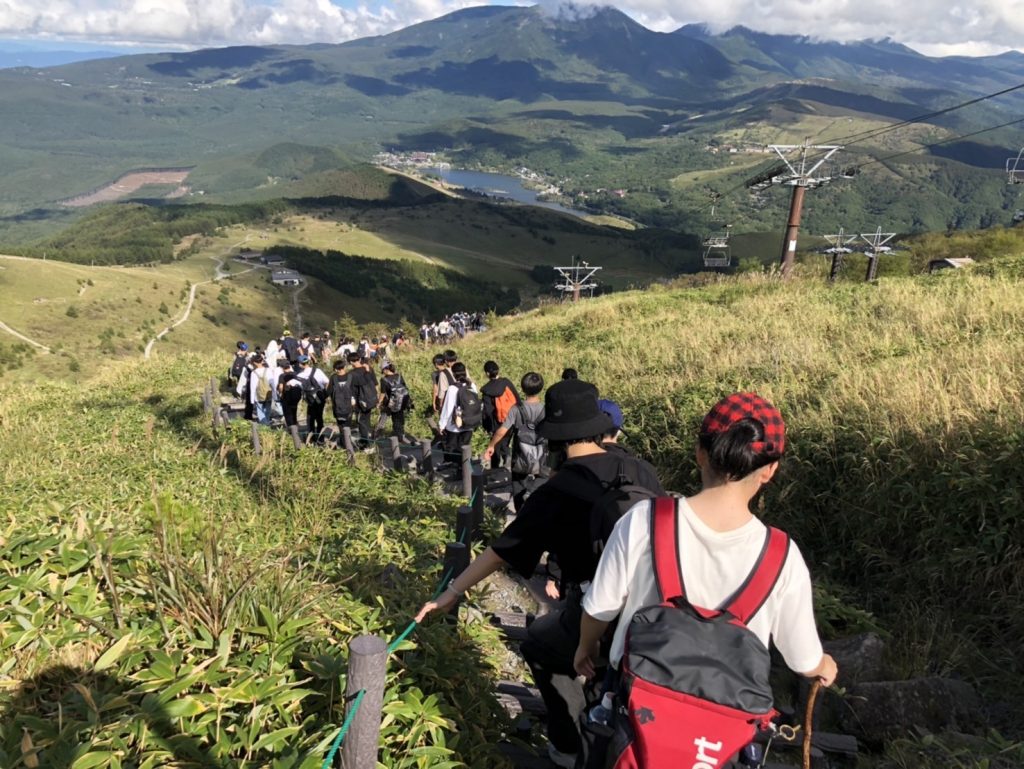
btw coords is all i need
(395, 400)
(556, 521)
(499, 396)
(290, 345)
(364, 390)
(289, 390)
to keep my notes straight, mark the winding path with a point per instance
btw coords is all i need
(219, 274)
(22, 337)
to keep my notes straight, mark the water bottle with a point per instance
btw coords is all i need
(752, 755)
(599, 719)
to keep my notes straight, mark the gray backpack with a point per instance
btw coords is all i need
(529, 450)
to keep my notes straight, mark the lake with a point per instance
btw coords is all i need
(497, 186)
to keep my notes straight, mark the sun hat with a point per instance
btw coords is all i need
(571, 412)
(738, 406)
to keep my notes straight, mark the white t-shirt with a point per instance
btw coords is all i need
(715, 563)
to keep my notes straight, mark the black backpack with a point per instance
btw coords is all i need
(365, 391)
(609, 500)
(341, 395)
(237, 366)
(314, 394)
(469, 411)
(399, 394)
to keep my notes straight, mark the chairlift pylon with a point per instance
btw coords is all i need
(1015, 169)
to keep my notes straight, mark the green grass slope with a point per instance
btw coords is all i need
(900, 484)
(905, 426)
(170, 599)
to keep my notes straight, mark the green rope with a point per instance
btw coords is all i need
(344, 729)
(391, 650)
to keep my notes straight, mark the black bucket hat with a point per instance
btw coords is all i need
(571, 412)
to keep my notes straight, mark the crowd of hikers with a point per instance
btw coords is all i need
(657, 653)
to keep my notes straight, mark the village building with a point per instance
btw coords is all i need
(285, 277)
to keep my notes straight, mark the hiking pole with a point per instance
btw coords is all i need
(809, 722)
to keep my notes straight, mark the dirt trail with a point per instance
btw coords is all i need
(219, 274)
(22, 337)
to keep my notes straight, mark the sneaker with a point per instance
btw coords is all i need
(558, 758)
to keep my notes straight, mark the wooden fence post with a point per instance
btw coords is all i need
(224, 418)
(367, 664)
(396, 452)
(464, 525)
(427, 467)
(467, 471)
(257, 448)
(456, 559)
(477, 496)
(207, 399)
(214, 390)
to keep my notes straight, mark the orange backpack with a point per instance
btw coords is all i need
(503, 404)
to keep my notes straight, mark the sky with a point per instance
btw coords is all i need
(933, 27)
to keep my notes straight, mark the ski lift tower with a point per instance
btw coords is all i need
(799, 170)
(876, 242)
(839, 248)
(576, 279)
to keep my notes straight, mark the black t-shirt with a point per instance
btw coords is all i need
(555, 522)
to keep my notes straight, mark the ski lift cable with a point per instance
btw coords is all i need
(937, 144)
(856, 138)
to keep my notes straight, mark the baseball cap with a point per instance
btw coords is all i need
(303, 359)
(611, 408)
(738, 406)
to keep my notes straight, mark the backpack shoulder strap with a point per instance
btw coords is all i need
(751, 595)
(665, 548)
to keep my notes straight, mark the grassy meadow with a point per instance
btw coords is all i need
(129, 532)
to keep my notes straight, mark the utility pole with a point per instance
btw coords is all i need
(576, 279)
(876, 241)
(800, 172)
(839, 248)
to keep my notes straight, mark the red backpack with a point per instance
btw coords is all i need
(694, 680)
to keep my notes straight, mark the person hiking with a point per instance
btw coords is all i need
(395, 401)
(243, 389)
(306, 345)
(499, 396)
(529, 449)
(570, 373)
(318, 348)
(289, 391)
(364, 389)
(290, 345)
(314, 391)
(610, 440)
(717, 541)
(339, 390)
(461, 414)
(442, 379)
(237, 366)
(557, 520)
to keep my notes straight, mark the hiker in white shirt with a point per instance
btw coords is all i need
(741, 441)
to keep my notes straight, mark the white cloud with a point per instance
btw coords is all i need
(971, 27)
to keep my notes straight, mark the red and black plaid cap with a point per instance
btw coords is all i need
(737, 406)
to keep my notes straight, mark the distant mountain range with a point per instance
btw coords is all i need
(593, 96)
